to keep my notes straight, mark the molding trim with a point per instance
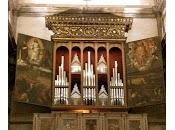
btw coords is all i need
(125, 11)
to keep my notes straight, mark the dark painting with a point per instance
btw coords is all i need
(91, 124)
(144, 72)
(33, 70)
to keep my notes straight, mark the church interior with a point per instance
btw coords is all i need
(87, 64)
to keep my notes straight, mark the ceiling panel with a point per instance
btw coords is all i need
(89, 2)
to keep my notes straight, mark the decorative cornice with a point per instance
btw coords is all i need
(88, 25)
(40, 10)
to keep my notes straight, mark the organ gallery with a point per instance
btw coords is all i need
(88, 74)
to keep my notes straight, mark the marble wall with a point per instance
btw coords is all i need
(142, 28)
(33, 26)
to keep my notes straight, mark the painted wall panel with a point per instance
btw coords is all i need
(144, 72)
(33, 70)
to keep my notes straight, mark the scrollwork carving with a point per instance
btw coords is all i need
(102, 32)
(88, 25)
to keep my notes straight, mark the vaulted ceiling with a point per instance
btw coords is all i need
(90, 2)
(44, 7)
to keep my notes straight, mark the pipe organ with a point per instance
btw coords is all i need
(89, 87)
(89, 84)
(88, 59)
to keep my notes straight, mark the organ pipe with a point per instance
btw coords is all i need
(89, 97)
(117, 96)
(88, 73)
(89, 93)
(61, 93)
(115, 79)
(61, 79)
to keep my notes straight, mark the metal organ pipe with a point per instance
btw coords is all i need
(89, 93)
(89, 80)
(115, 79)
(89, 97)
(117, 94)
(61, 93)
(88, 73)
(61, 77)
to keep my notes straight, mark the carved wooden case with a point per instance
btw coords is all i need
(44, 121)
(82, 32)
(90, 121)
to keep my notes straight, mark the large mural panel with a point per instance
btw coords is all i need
(144, 72)
(33, 70)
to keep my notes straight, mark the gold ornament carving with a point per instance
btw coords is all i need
(88, 25)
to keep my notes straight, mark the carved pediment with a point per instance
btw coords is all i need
(88, 24)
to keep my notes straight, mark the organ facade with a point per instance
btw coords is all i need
(88, 59)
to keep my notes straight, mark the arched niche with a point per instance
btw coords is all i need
(115, 54)
(76, 76)
(76, 50)
(62, 51)
(102, 75)
(101, 51)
